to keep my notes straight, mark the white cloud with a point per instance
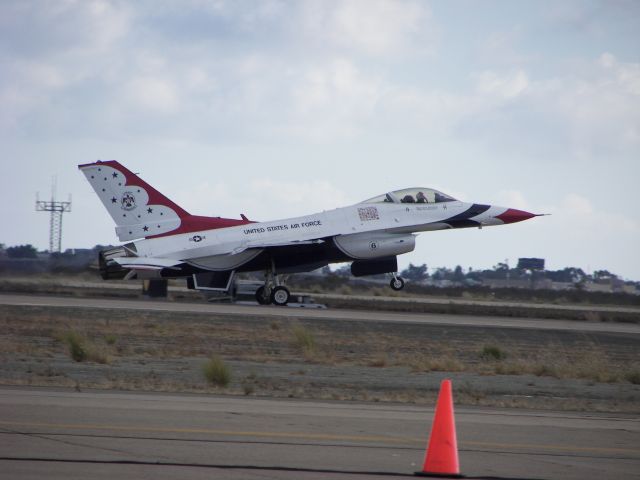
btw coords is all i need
(574, 204)
(373, 27)
(332, 100)
(601, 113)
(579, 216)
(376, 26)
(153, 94)
(506, 86)
(297, 198)
(263, 198)
(513, 199)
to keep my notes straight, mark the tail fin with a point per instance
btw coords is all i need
(137, 208)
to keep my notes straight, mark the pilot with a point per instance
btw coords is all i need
(420, 198)
(408, 199)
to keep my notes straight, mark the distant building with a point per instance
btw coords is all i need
(531, 264)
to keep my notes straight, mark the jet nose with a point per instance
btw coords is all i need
(511, 215)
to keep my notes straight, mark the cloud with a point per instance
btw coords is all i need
(507, 86)
(514, 199)
(39, 29)
(586, 219)
(153, 94)
(263, 198)
(372, 27)
(574, 204)
(332, 99)
(585, 115)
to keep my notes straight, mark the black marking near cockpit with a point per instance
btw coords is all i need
(462, 223)
(463, 220)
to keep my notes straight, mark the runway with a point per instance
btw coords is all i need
(318, 314)
(106, 434)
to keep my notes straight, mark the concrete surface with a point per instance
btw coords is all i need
(272, 311)
(68, 434)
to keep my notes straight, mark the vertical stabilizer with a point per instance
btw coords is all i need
(137, 208)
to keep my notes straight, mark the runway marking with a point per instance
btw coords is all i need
(301, 435)
(321, 436)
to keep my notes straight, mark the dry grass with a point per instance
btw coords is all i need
(303, 338)
(435, 363)
(101, 336)
(592, 317)
(492, 353)
(81, 349)
(217, 372)
(379, 360)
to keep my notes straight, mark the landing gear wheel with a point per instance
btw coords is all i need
(280, 296)
(261, 298)
(397, 283)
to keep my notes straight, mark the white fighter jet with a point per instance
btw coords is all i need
(168, 242)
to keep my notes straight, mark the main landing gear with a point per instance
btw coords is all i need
(273, 291)
(397, 283)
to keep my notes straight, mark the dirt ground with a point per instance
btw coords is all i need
(352, 360)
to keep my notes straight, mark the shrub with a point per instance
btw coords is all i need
(304, 338)
(380, 360)
(80, 349)
(76, 344)
(217, 372)
(633, 377)
(248, 389)
(110, 339)
(491, 352)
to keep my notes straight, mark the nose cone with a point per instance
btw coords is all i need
(511, 215)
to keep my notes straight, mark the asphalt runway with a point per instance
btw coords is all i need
(105, 434)
(318, 314)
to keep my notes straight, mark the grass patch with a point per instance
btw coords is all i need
(110, 339)
(248, 389)
(217, 372)
(440, 363)
(81, 349)
(304, 339)
(492, 353)
(633, 376)
(76, 344)
(380, 360)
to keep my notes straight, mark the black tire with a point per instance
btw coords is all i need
(261, 298)
(280, 296)
(396, 283)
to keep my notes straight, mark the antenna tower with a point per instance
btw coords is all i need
(55, 224)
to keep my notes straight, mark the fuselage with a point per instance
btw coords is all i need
(232, 247)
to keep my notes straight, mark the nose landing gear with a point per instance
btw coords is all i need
(397, 283)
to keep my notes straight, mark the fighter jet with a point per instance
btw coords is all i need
(165, 241)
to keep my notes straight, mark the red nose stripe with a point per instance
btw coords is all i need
(512, 215)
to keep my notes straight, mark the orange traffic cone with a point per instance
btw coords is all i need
(441, 459)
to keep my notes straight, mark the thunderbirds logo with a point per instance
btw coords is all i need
(128, 201)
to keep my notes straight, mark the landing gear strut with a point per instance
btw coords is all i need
(397, 283)
(273, 290)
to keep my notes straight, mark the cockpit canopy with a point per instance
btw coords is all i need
(412, 195)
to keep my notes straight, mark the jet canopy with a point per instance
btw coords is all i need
(412, 195)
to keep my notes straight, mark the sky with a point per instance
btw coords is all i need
(281, 108)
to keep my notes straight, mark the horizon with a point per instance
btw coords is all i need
(336, 266)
